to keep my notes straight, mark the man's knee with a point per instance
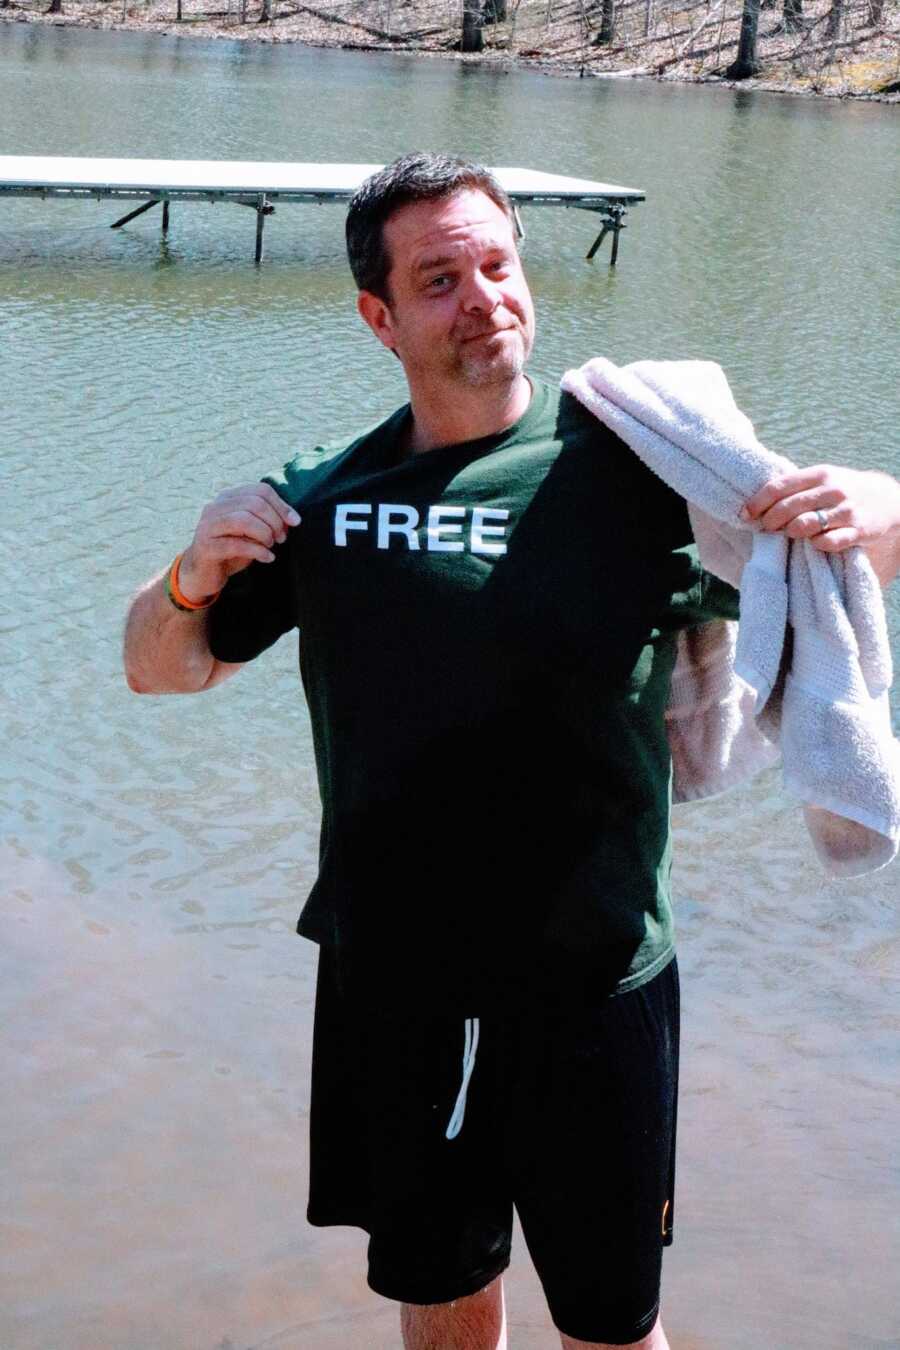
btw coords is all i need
(476, 1322)
(654, 1340)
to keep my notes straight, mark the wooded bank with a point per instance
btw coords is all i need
(833, 47)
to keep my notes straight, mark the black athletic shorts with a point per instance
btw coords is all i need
(569, 1117)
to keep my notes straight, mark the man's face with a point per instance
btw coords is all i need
(459, 310)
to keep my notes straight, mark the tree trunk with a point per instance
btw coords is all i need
(835, 15)
(55, 7)
(267, 12)
(793, 16)
(607, 23)
(472, 26)
(876, 12)
(511, 37)
(648, 17)
(746, 64)
(494, 11)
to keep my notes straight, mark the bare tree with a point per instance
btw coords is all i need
(511, 40)
(55, 7)
(607, 23)
(267, 13)
(835, 15)
(792, 16)
(472, 27)
(746, 63)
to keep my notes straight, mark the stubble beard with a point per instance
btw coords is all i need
(480, 369)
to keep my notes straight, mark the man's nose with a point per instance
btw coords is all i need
(480, 294)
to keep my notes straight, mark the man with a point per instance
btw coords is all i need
(488, 588)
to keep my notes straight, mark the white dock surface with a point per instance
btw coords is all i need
(112, 177)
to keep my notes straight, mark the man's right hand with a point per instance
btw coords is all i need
(239, 527)
(167, 652)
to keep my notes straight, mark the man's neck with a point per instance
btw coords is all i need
(451, 418)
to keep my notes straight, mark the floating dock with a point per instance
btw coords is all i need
(158, 182)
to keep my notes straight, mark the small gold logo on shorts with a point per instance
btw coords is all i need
(665, 1212)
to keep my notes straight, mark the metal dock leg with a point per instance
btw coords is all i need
(612, 222)
(261, 214)
(139, 212)
(165, 227)
(617, 230)
(520, 228)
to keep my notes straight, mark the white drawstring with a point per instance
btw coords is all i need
(459, 1110)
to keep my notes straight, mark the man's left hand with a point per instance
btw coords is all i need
(835, 508)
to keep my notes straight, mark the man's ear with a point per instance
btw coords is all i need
(377, 315)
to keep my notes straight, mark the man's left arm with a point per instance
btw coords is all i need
(835, 508)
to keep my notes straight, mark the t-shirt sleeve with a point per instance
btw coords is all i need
(698, 596)
(718, 599)
(260, 603)
(254, 610)
(689, 594)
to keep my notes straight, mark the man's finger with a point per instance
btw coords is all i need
(260, 493)
(798, 504)
(226, 548)
(783, 485)
(245, 524)
(804, 526)
(835, 541)
(258, 506)
(269, 495)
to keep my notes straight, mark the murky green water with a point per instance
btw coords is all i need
(155, 852)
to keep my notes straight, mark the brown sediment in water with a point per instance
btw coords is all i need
(684, 41)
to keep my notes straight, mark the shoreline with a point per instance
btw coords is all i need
(83, 14)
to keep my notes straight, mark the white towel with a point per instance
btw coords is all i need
(809, 669)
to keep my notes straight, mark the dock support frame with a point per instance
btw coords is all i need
(260, 222)
(520, 228)
(613, 223)
(263, 208)
(139, 211)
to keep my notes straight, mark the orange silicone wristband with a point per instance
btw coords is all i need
(177, 596)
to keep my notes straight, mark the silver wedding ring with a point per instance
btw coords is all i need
(823, 519)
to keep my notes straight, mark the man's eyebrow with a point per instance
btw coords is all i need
(430, 262)
(427, 264)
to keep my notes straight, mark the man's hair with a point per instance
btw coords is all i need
(417, 177)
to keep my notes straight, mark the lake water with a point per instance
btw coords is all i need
(155, 852)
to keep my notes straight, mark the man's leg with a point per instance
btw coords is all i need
(477, 1322)
(595, 1128)
(655, 1340)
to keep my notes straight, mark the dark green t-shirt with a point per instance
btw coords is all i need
(487, 634)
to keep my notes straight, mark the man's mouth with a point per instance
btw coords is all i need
(491, 332)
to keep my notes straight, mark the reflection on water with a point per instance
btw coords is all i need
(155, 852)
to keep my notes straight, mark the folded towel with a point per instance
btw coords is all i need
(809, 669)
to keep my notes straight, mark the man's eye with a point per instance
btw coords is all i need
(438, 283)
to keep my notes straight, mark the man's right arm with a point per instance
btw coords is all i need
(166, 649)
